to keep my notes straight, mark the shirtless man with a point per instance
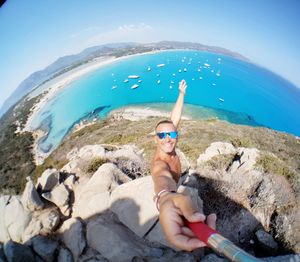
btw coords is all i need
(165, 171)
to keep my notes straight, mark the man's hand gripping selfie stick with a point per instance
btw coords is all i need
(219, 243)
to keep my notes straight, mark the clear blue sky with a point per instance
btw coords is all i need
(35, 33)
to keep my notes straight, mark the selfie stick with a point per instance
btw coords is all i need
(219, 243)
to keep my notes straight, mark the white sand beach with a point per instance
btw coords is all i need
(58, 84)
(71, 76)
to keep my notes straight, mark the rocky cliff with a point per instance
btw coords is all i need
(94, 199)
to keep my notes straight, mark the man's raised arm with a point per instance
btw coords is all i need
(177, 110)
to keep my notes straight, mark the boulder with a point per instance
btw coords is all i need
(115, 241)
(70, 182)
(246, 159)
(87, 207)
(45, 247)
(30, 199)
(216, 148)
(127, 151)
(16, 227)
(16, 252)
(91, 151)
(133, 203)
(4, 236)
(72, 235)
(42, 223)
(94, 195)
(48, 180)
(64, 255)
(266, 242)
(59, 195)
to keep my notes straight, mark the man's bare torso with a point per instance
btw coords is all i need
(173, 164)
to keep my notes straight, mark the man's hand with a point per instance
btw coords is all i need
(173, 207)
(182, 86)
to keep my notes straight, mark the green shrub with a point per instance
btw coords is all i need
(271, 164)
(241, 142)
(95, 164)
(220, 162)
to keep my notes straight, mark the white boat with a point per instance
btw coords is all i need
(184, 70)
(126, 81)
(160, 65)
(200, 77)
(134, 86)
(179, 70)
(149, 68)
(199, 70)
(114, 87)
(139, 81)
(171, 87)
(213, 84)
(193, 79)
(158, 81)
(133, 76)
(157, 75)
(218, 74)
(221, 99)
(172, 82)
(206, 64)
(173, 74)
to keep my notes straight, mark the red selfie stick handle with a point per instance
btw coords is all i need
(219, 243)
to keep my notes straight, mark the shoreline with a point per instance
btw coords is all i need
(54, 88)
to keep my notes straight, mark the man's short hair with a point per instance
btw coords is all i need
(166, 121)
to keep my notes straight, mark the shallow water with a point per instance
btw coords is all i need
(224, 87)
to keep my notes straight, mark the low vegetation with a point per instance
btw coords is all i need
(16, 160)
(95, 164)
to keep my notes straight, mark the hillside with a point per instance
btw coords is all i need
(97, 184)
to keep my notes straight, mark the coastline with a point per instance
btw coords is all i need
(57, 86)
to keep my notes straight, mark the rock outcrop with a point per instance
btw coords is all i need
(109, 215)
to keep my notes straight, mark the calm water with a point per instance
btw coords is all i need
(228, 88)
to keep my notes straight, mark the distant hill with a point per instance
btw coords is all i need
(67, 63)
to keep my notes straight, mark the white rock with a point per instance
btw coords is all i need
(30, 199)
(70, 182)
(4, 236)
(216, 148)
(42, 223)
(59, 195)
(71, 167)
(90, 206)
(127, 151)
(133, 203)
(246, 162)
(91, 151)
(73, 237)
(48, 180)
(114, 241)
(16, 218)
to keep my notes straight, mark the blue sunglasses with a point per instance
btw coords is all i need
(163, 135)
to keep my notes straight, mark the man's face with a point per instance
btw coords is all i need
(166, 144)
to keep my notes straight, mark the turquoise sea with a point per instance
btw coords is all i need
(222, 86)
